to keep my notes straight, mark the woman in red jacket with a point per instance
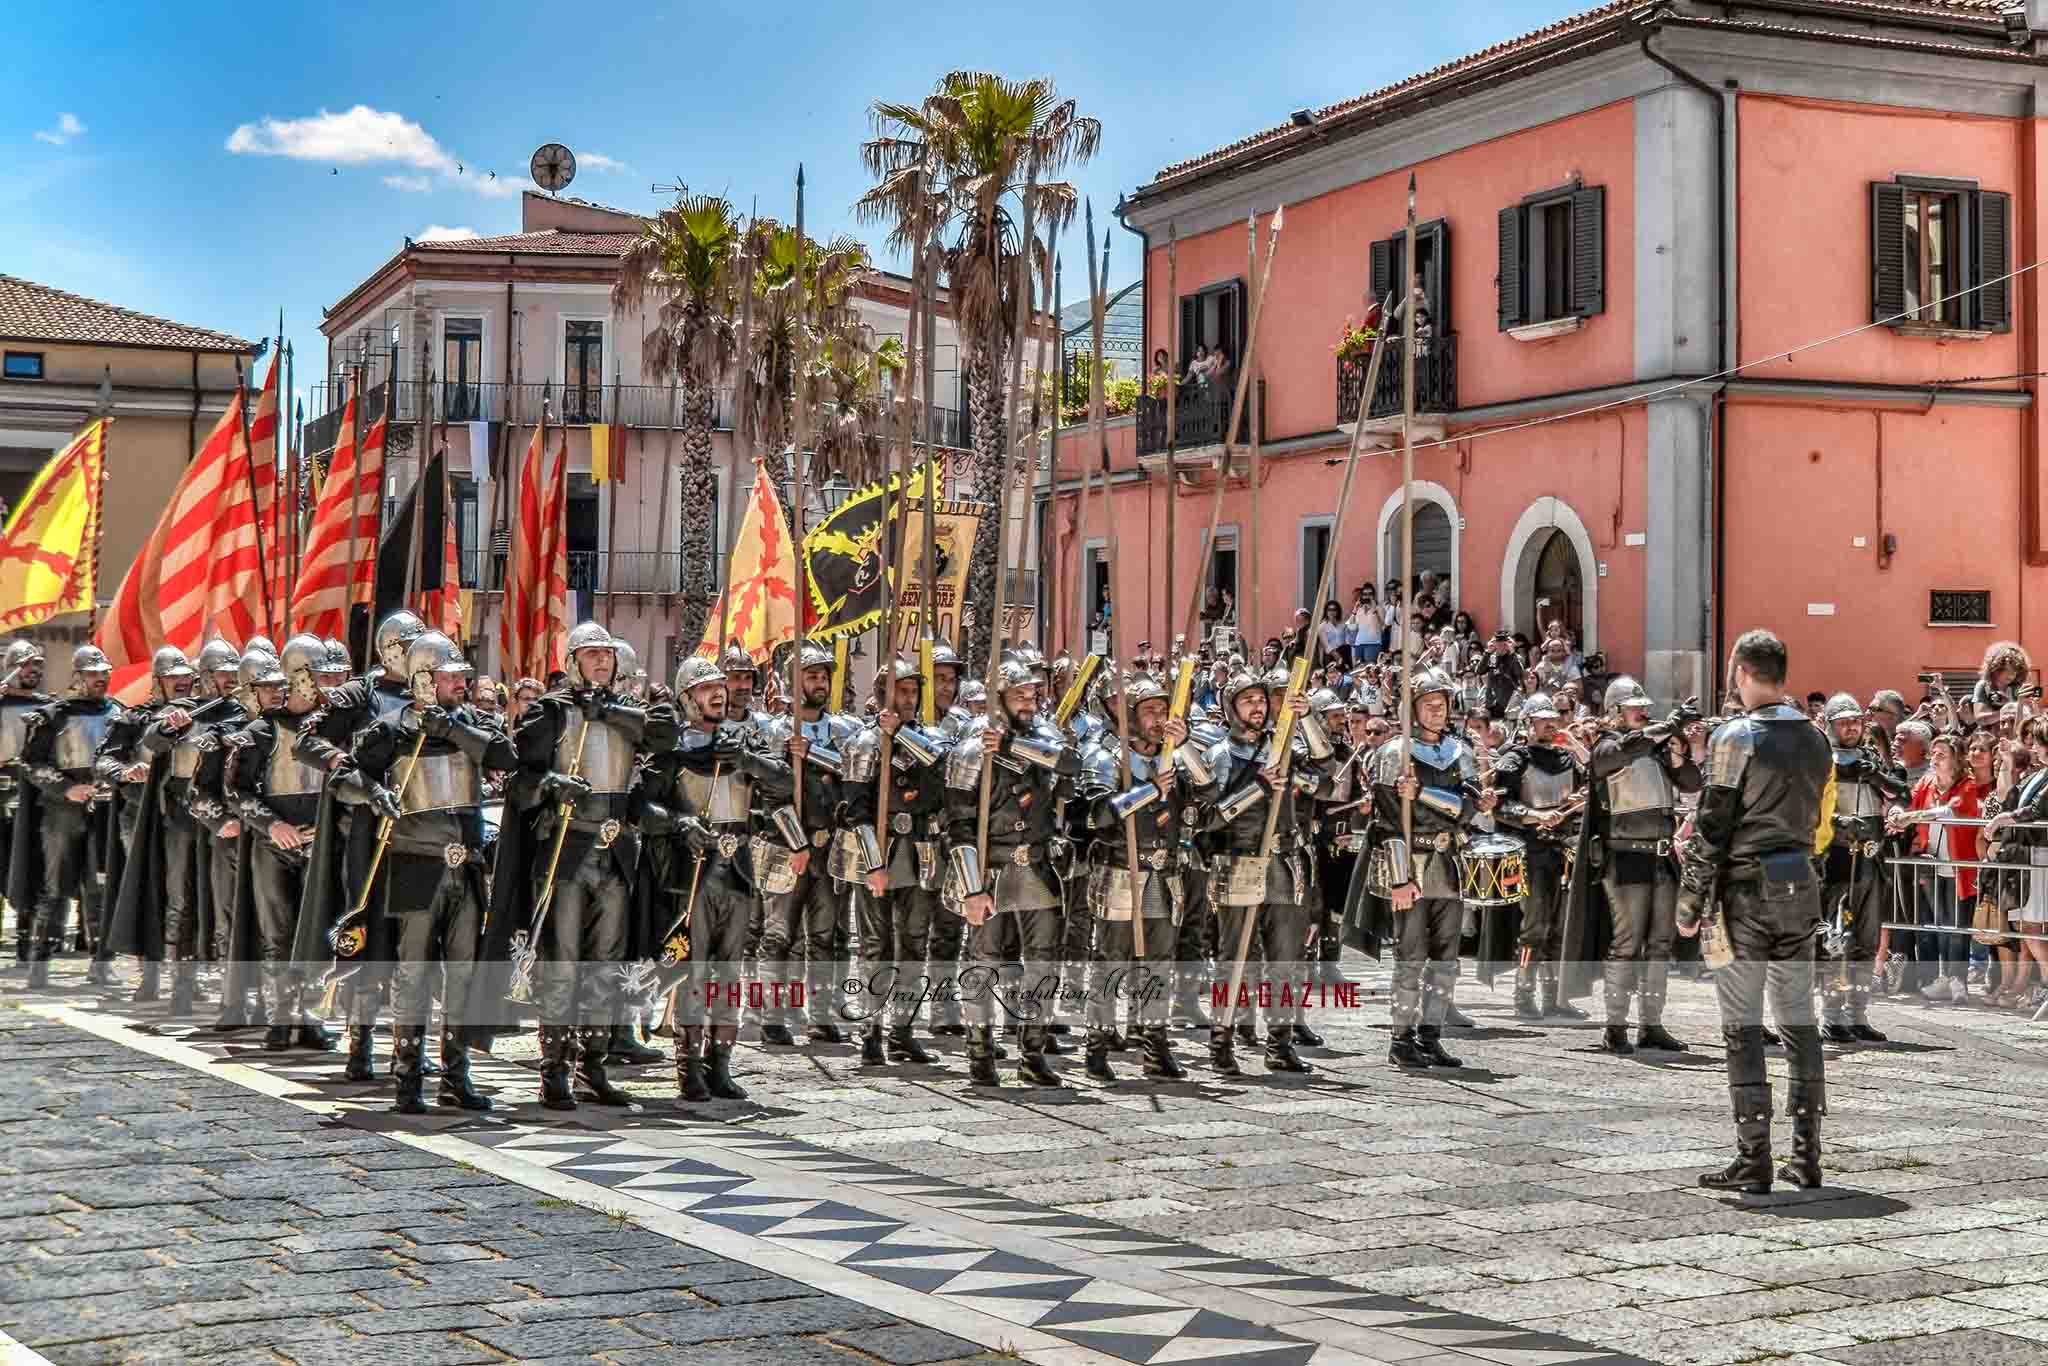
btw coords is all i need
(1941, 960)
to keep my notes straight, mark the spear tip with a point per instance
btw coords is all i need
(1279, 212)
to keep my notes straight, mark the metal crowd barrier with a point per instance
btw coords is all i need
(1923, 865)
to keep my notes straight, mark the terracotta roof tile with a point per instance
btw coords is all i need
(1504, 53)
(33, 312)
(550, 242)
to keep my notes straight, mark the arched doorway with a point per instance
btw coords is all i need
(1436, 537)
(1558, 592)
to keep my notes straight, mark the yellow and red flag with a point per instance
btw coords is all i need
(341, 547)
(533, 628)
(46, 550)
(759, 602)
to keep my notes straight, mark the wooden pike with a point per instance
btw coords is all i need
(1248, 604)
(1083, 643)
(885, 655)
(1405, 291)
(796, 495)
(1048, 270)
(1236, 412)
(1172, 388)
(1022, 302)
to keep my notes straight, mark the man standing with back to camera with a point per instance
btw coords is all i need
(1765, 815)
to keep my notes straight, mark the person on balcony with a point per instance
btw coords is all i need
(1197, 375)
(1418, 299)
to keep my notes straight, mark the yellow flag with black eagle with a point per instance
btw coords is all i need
(846, 555)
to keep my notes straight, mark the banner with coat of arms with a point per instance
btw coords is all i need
(845, 559)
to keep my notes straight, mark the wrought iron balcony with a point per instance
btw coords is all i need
(1199, 417)
(1436, 381)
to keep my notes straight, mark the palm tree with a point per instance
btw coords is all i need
(953, 170)
(687, 258)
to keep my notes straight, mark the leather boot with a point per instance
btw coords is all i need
(904, 1047)
(1656, 1036)
(100, 973)
(1280, 1054)
(1429, 1040)
(690, 1087)
(1455, 1018)
(1750, 1172)
(871, 1045)
(184, 989)
(981, 1057)
(718, 1074)
(1836, 1031)
(1222, 1053)
(405, 1071)
(777, 1035)
(360, 1067)
(151, 986)
(1402, 1050)
(455, 1088)
(1556, 1007)
(1247, 1031)
(1033, 1070)
(557, 1050)
(1807, 1104)
(824, 1031)
(627, 1051)
(1615, 1040)
(593, 1041)
(1307, 1037)
(1097, 1064)
(1525, 993)
(1160, 1064)
(1862, 1032)
(310, 1033)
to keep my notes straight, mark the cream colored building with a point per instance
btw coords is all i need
(501, 317)
(166, 383)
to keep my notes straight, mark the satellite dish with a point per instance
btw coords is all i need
(553, 167)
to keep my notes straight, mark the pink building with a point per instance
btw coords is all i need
(1614, 213)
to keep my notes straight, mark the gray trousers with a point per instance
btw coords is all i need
(714, 987)
(992, 996)
(1277, 978)
(797, 935)
(1120, 978)
(895, 934)
(1773, 944)
(586, 942)
(440, 938)
(1426, 961)
(184, 861)
(1645, 919)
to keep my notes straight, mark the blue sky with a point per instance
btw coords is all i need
(128, 180)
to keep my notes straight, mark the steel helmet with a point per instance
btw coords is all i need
(589, 635)
(1012, 674)
(738, 661)
(814, 656)
(1431, 681)
(696, 672)
(394, 633)
(901, 668)
(1841, 707)
(259, 667)
(90, 659)
(303, 655)
(1538, 706)
(218, 656)
(261, 643)
(170, 662)
(973, 693)
(1241, 682)
(429, 655)
(629, 676)
(944, 656)
(20, 652)
(1136, 688)
(337, 658)
(1324, 700)
(1626, 692)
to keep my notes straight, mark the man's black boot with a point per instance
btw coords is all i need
(1802, 1169)
(1160, 1064)
(718, 1074)
(1656, 1036)
(557, 1050)
(904, 1046)
(1430, 1040)
(871, 1045)
(1750, 1172)
(359, 1066)
(1280, 1054)
(1615, 1040)
(627, 1051)
(1223, 1053)
(593, 1042)
(1097, 1064)
(1403, 1052)
(405, 1072)
(981, 1057)
(456, 1088)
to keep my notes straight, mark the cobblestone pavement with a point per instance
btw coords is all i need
(1538, 1200)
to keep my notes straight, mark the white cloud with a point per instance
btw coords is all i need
(503, 187)
(412, 184)
(598, 161)
(68, 127)
(436, 233)
(358, 136)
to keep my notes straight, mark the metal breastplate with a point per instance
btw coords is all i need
(13, 732)
(607, 756)
(1645, 785)
(1543, 791)
(442, 782)
(720, 799)
(1857, 799)
(79, 739)
(289, 775)
(184, 758)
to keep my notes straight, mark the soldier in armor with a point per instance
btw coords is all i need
(1639, 769)
(955, 716)
(1247, 878)
(1538, 780)
(1116, 891)
(277, 794)
(1441, 783)
(346, 709)
(58, 755)
(742, 680)
(422, 769)
(894, 873)
(21, 682)
(707, 782)
(132, 770)
(1013, 904)
(800, 903)
(1853, 885)
(974, 700)
(1333, 866)
(947, 702)
(578, 748)
(1762, 821)
(334, 668)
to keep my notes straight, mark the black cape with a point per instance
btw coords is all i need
(1587, 929)
(343, 841)
(137, 923)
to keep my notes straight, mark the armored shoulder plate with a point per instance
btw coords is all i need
(963, 765)
(861, 755)
(772, 731)
(841, 727)
(1099, 762)
(1386, 763)
(1729, 753)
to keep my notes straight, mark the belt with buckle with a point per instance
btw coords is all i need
(1868, 848)
(1441, 841)
(1661, 848)
(456, 855)
(1020, 854)
(728, 845)
(820, 838)
(608, 832)
(902, 822)
(1020, 826)
(1154, 858)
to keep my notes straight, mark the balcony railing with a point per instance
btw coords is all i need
(636, 405)
(1199, 418)
(1436, 381)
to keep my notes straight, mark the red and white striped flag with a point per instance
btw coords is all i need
(271, 514)
(197, 568)
(328, 580)
(236, 590)
(534, 626)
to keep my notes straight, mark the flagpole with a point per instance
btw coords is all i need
(249, 467)
(415, 573)
(668, 451)
(885, 657)
(742, 434)
(1048, 548)
(1247, 611)
(99, 523)
(447, 529)
(796, 477)
(1045, 335)
(1172, 437)
(611, 496)
(293, 443)
(376, 527)
(1408, 645)
(348, 607)
(932, 486)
